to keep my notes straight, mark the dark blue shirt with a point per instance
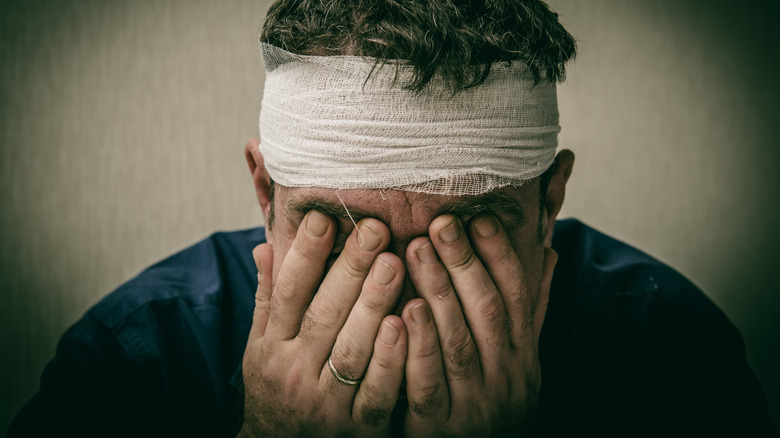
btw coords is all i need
(629, 348)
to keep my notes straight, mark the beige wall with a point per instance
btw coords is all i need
(122, 125)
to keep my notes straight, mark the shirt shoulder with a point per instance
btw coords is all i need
(593, 260)
(158, 355)
(211, 273)
(627, 334)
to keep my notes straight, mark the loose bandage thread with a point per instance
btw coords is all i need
(360, 234)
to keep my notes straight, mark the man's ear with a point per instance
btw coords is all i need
(259, 176)
(556, 191)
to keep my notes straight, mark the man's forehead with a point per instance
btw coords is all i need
(511, 202)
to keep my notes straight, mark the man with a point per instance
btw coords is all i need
(413, 279)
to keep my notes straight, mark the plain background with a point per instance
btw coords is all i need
(122, 126)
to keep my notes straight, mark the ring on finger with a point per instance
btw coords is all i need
(338, 375)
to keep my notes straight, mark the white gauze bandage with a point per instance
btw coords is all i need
(344, 122)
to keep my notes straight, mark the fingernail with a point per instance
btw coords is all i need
(420, 314)
(426, 254)
(316, 224)
(370, 238)
(388, 334)
(486, 226)
(259, 265)
(383, 273)
(450, 233)
(256, 257)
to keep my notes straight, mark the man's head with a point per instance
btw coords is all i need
(456, 43)
(458, 40)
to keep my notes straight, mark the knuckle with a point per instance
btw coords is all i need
(374, 416)
(308, 323)
(353, 265)
(374, 396)
(463, 365)
(285, 376)
(522, 330)
(287, 288)
(462, 260)
(346, 358)
(279, 300)
(442, 290)
(460, 339)
(262, 303)
(428, 350)
(519, 292)
(428, 404)
(324, 313)
(463, 359)
(376, 302)
(386, 362)
(506, 255)
(371, 394)
(491, 307)
(262, 293)
(351, 350)
(294, 378)
(525, 350)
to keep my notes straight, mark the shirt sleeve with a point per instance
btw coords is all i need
(156, 357)
(78, 389)
(153, 374)
(699, 380)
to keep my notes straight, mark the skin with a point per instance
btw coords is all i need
(448, 293)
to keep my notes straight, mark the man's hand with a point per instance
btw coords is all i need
(303, 320)
(472, 366)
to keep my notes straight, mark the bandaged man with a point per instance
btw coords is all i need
(411, 279)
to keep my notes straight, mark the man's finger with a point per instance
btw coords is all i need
(264, 261)
(432, 283)
(492, 244)
(300, 274)
(426, 384)
(341, 287)
(380, 388)
(354, 345)
(481, 301)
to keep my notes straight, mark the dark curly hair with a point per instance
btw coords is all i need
(456, 39)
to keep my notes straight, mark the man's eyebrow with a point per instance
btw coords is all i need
(466, 207)
(495, 203)
(299, 207)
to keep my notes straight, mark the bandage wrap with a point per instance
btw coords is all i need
(344, 122)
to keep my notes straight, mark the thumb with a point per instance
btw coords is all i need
(264, 258)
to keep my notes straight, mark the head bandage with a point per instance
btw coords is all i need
(344, 122)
